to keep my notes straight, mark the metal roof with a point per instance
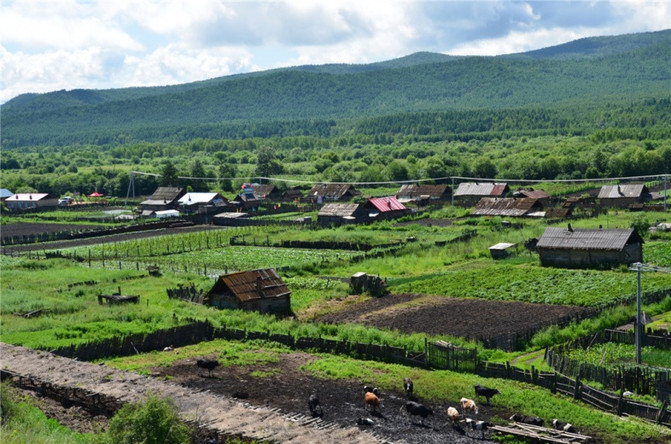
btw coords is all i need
(501, 246)
(386, 204)
(481, 189)
(514, 207)
(254, 284)
(29, 197)
(4, 193)
(167, 194)
(332, 190)
(199, 198)
(578, 239)
(622, 191)
(338, 210)
(415, 190)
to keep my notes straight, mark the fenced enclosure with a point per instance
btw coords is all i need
(438, 355)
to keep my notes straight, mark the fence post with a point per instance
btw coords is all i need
(576, 392)
(619, 402)
(662, 412)
(554, 384)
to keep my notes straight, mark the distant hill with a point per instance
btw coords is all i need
(584, 72)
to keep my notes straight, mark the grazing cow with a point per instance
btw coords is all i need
(407, 386)
(533, 420)
(371, 399)
(453, 414)
(208, 364)
(468, 404)
(478, 425)
(315, 406)
(417, 409)
(481, 390)
(564, 426)
(369, 389)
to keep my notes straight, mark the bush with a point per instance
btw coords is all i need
(153, 421)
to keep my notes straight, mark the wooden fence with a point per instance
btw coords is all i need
(439, 355)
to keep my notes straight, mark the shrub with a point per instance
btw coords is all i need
(153, 421)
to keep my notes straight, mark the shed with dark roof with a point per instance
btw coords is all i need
(622, 196)
(256, 290)
(423, 193)
(338, 214)
(164, 198)
(332, 192)
(581, 248)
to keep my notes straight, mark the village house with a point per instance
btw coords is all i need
(469, 193)
(331, 192)
(294, 194)
(508, 207)
(623, 196)
(541, 196)
(164, 198)
(30, 201)
(384, 208)
(259, 290)
(338, 214)
(202, 203)
(423, 194)
(595, 248)
(267, 192)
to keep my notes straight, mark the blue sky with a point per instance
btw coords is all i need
(48, 45)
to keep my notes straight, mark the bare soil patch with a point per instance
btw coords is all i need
(28, 228)
(284, 385)
(428, 222)
(435, 315)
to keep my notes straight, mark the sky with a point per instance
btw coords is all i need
(49, 45)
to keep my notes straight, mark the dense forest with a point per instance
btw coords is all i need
(592, 108)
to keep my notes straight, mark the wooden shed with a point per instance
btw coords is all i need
(508, 207)
(255, 290)
(332, 192)
(384, 208)
(569, 248)
(338, 214)
(164, 198)
(623, 196)
(424, 194)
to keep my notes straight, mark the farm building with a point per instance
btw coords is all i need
(31, 201)
(5, 194)
(337, 214)
(622, 196)
(540, 195)
(424, 194)
(332, 192)
(202, 203)
(164, 198)
(469, 193)
(293, 194)
(501, 250)
(266, 191)
(256, 290)
(508, 207)
(569, 248)
(385, 208)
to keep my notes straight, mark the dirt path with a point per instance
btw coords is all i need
(226, 416)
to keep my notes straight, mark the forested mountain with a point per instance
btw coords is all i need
(587, 74)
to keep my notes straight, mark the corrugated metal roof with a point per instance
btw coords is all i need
(415, 190)
(196, 198)
(622, 191)
(254, 284)
(579, 239)
(167, 194)
(386, 204)
(5, 193)
(501, 246)
(332, 191)
(29, 197)
(338, 210)
(534, 194)
(492, 206)
(481, 189)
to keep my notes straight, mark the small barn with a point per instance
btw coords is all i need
(332, 192)
(259, 290)
(338, 214)
(384, 208)
(424, 194)
(202, 203)
(267, 192)
(540, 195)
(623, 196)
(164, 198)
(30, 201)
(469, 193)
(508, 207)
(294, 194)
(594, 248)
(501, 250)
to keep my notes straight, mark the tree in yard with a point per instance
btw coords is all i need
(168, 174)
(226, 172)
(266, 163)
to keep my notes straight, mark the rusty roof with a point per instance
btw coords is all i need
(481, 189)
(580, 239)
(415, 190)
(622, 191)
(504, 206)
(254, 284)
